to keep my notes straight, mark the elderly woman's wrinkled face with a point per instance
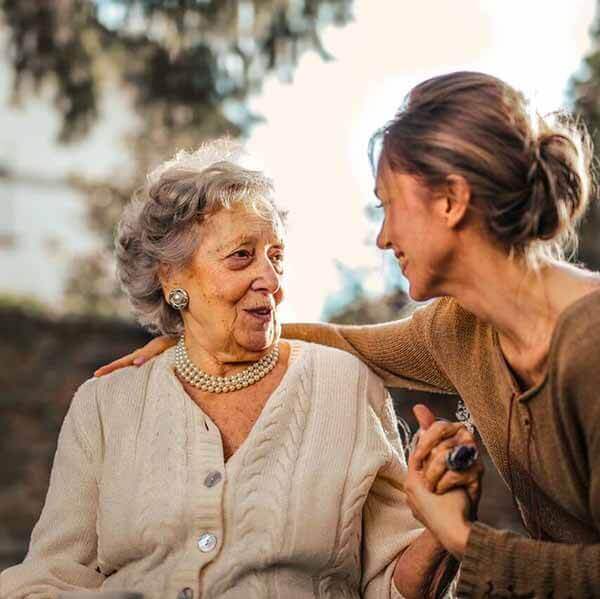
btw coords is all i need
(234, 283)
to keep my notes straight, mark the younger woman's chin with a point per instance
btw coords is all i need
(419, 294)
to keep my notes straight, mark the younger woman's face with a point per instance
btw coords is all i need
(414, 229)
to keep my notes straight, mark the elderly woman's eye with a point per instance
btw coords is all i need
(277, 259)
(241, 254)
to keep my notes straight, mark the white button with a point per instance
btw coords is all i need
(207, 542)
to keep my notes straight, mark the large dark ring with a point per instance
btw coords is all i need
(461, 457)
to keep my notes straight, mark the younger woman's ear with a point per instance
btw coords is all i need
(458, 199)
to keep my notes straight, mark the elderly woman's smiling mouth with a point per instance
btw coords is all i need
(261, 313)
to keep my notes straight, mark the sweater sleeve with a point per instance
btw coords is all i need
(505, 564)
(63, 546)
(400, 352)
(388, 524)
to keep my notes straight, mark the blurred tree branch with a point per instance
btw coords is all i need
(584, 89)
(184, 59)
(189, 65)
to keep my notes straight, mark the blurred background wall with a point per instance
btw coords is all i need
(94, 93)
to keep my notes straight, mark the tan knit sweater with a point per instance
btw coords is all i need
(311, 505)
(553, 464)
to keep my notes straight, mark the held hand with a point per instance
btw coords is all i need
(139, 356)
(446, 516)
(437, 496)
(435, 440)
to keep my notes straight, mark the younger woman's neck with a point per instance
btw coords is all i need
(521, 303)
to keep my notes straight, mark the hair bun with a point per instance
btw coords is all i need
(557, 178)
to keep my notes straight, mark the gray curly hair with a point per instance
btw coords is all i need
(159, 226)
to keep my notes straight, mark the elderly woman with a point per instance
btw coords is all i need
(234, 464)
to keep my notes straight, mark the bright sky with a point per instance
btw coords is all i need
(315, 138)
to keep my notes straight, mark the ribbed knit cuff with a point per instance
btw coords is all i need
(478, 561)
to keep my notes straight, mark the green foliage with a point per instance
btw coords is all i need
(23, 304)
(188, 65)
(585, 94)
(184, 60)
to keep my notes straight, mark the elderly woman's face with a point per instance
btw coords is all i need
(234, 282)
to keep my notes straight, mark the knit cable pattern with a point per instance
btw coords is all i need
(346, 562)
(160, 513)
(280, 439)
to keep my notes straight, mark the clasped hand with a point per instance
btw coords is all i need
(444, 500)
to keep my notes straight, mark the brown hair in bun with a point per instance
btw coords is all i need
(529, 175)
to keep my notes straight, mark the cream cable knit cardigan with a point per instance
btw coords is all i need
(311, 505)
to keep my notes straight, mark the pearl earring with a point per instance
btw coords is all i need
(178, 298)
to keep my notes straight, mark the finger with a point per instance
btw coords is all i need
(431, 437)
(452, 479)
(445, 445)
(139, 356)
(127, 360)
(157, 346)
(412, 463)
(435, 466)
(436, 463)
(464, 437)
(474, 492)
(425, 417)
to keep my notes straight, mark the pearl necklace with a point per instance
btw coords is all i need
(191, 374)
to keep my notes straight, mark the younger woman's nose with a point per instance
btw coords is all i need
(383, 242)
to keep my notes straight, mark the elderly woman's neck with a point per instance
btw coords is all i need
(220, 358)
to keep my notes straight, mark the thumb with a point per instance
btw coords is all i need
(425, 417)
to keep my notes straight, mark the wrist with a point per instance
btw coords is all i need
(457, 539)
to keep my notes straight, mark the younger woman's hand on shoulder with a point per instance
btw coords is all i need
(138, 357)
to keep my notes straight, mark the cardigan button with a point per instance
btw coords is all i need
(186, 593)
(207, 542)
(212, 479)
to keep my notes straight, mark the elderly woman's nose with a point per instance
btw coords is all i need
(268, 278)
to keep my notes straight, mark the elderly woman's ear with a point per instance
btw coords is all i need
(166, 278)
(174, 291)
(160, 344)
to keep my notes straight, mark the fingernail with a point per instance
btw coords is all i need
(139, 361)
